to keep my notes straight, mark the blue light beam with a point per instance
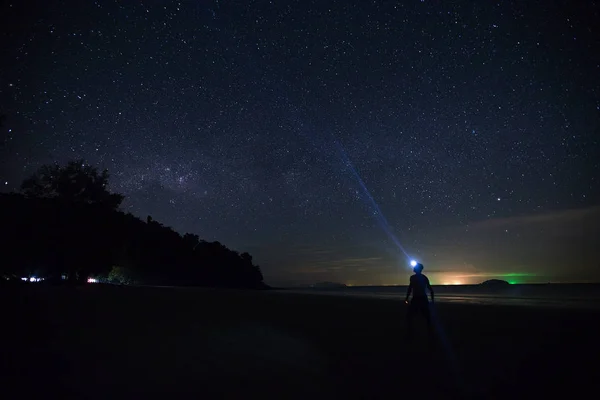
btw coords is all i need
(376, 210)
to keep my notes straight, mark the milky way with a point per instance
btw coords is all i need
(222, 117)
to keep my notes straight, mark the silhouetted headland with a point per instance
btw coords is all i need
(65, 225)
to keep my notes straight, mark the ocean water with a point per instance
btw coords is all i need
(584, 296)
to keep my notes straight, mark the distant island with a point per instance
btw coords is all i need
(495, 282)
(328, 285)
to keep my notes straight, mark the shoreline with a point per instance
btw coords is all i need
(499, 299)
(142, 341)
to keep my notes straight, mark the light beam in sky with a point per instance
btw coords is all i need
(371, 201)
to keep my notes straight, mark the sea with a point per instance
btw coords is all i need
(555, 295)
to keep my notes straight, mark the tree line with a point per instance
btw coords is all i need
(65, 224)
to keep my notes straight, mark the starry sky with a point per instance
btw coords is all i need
(333, 140)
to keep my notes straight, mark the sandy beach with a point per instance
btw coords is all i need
(118, 342)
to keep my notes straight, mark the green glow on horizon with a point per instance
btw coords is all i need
(516, 274)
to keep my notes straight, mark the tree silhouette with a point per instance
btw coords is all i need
(74, 183)
(120, 275)
(65, 222)
(191, 240)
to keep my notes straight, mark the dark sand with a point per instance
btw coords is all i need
(117, 342)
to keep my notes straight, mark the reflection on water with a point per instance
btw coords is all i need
(545, 295)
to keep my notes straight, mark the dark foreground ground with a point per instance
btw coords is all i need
(117, 342)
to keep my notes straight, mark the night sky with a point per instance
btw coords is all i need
(473, 126)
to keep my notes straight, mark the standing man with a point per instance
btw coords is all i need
(419, 283)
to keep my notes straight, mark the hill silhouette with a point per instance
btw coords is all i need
(494, 282)
(66, 224)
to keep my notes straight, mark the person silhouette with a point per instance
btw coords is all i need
(419, 284)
